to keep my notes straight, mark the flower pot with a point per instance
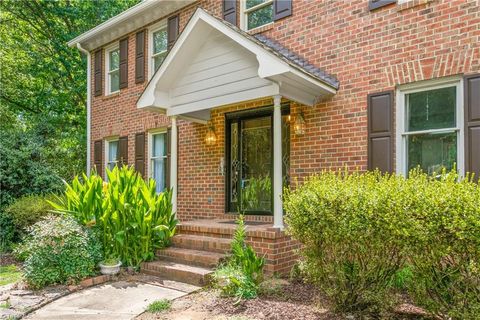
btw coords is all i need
(110, 269)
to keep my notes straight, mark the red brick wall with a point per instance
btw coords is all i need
(367, 51)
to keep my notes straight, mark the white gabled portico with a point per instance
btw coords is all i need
(213, 64)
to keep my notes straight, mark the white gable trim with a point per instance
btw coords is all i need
(279, 77)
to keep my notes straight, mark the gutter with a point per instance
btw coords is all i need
(89, 101)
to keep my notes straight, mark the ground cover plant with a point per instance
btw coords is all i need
(9, 274)
(58, 249)
(132, 218)
(243, 272)
(159, 306)
(366, 235)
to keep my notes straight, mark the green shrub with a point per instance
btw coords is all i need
(59, 250)
(133, 219)
(7, 231)
(159, 306)
(361, 231)
(27, 210)
(243, 272)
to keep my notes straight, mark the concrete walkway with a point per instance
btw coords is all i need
(118, 300)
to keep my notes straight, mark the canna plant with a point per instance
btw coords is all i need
(132, 218)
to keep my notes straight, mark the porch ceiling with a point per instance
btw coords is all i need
(213, 63)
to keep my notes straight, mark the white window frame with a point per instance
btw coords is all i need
(107, 153)
(244, 13)
(150, 151)
(108, 85)
(156, 27)
(401, 134)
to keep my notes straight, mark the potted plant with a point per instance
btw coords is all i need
(110, 266)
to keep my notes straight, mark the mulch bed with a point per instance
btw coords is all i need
(7, 259)
(291, 302)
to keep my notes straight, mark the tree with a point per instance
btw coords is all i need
(43, 86)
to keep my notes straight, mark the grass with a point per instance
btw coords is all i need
(5, 305)
(159, 306)
(9, 274)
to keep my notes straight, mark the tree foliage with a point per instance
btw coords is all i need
(43, 90)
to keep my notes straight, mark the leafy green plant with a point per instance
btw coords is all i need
(27, 210)
(7, 231)
(133, 219)
(242, 273)
(159, 306)
(366, 235)
(59, 250)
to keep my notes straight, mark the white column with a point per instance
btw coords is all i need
(173, 162)
(277, 163)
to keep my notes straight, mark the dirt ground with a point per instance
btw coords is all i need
(278, 301)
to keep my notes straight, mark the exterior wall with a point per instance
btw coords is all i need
(368, 51)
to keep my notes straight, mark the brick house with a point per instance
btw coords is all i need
(227, 102)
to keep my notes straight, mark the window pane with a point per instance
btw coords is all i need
(114, 81)
(260, 17)
(159, 145)
(114, 59)
(433, 109)
(157, 61)
(159, 41)
(432, 152)
(253, 3)
(112, 153)
(159, 168)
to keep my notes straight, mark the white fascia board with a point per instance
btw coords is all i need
(266, 91)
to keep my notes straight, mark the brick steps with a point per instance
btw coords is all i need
(194, 257)
(196, 242)
(194, 275)
(196, 250)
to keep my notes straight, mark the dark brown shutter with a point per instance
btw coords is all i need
(122, 151)
(380, 131)
(375, 4)
(98, 156)
(97, 76)
(472, 124)
(140, 153)
(172, 30)
(282, 9)
(169, 160)
(140, 57)
(123, 66)
(230, 11)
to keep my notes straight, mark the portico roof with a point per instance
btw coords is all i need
(214, 63)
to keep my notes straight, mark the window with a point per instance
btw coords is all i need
(431, 128)
(158, 45)
(113, 71)
(158, 159)
(256, 13)
(112, 154)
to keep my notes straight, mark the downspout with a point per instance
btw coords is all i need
(89, 98)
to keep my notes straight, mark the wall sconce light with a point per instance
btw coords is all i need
(210, 137)
(299, 124)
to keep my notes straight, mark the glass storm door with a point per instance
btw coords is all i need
(250, 163)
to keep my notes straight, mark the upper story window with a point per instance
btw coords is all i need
(430, 128)
(158, 45)
(158, 159)
(113, 71)
(256, 13)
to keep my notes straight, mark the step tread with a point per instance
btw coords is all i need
(175, 251)
(169, 265)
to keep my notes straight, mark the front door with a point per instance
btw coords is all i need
(250, 161)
